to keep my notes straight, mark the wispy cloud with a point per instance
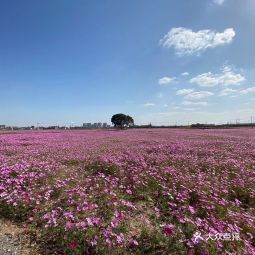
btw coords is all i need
(187, 42)
(195, 103)
(198, 95)
(231, 92)
(190, 94)
(228, 77)
(183, 92)
(185, 74)
(160, 95)
(227, 92)
(176, 107)
(247, 91)
(219, 2)
(166, 80)
(149, 104)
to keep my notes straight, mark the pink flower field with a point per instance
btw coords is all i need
(147, 191)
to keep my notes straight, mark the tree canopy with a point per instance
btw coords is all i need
(121, 120)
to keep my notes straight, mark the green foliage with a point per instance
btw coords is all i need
(18, 213)
(244, 196)
(72, 162)
(97, 167)
(121, 120)
(158, 243)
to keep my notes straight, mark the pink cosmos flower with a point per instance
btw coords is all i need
(114, 223)
(69, 225)
(90, 222)
(120, 238)
(73, 244)
(94, 242)
(82, 225)
(191, 209)
(132, 243)
(168, 229)
(96, 220)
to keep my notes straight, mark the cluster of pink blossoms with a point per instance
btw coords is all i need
(124, 190)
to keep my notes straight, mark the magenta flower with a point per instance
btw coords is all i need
(205, 173)
(90, 222)
(69, 225)
(132, 243)
(191, 209)
(168, 229)
(73, 244)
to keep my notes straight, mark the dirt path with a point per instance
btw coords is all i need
(14, 241)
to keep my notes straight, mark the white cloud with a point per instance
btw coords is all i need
(219, 2)
(165, 105)
(187, 42)
(194, 103)
(247, 91)
(185, 74)
(190, 94)
(198, 95)
(149, 104)
(183, 92)
(166, 80)
(227, 78)
(227, 92)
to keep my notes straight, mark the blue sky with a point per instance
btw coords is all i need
(162, 62)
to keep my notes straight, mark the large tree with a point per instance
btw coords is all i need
(121, 120)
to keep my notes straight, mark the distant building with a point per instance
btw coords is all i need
(2, 126)
(95, 125)
(87, 125)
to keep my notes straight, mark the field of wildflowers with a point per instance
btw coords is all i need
(159, 191)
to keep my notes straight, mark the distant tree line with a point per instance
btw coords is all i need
(203, 126)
